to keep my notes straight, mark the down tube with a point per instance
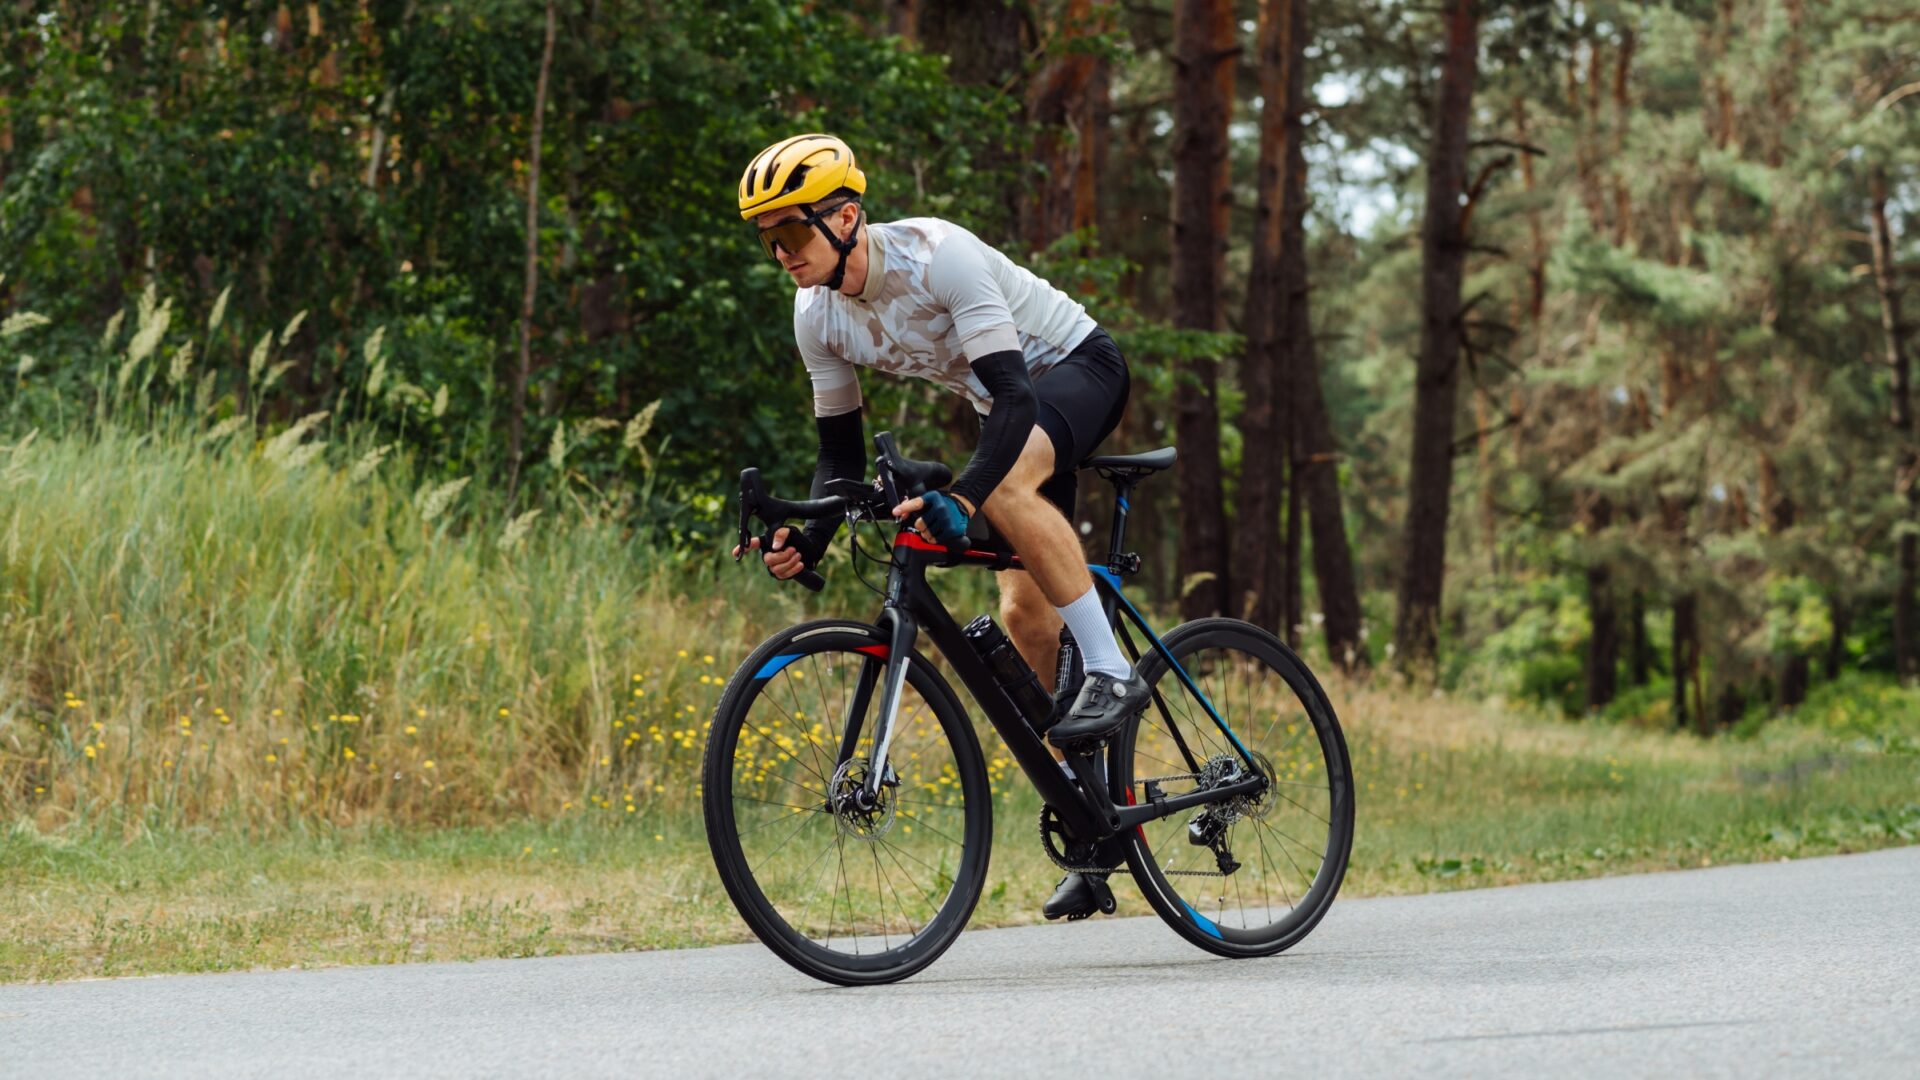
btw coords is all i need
(1106, 579)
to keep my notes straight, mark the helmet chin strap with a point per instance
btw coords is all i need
(843, 248)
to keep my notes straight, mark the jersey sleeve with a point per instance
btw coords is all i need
(960, 279)
(836, 388)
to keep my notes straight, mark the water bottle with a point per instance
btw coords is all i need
(1069, 674)
(1010, 671)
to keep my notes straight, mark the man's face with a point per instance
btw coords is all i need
(813, 263)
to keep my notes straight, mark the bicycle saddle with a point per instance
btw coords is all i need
(1151, 461)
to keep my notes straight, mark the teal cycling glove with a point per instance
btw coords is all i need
(944, 517)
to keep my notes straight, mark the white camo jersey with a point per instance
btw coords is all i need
(936, 298)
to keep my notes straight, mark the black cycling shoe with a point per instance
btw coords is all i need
(1078, 896)
(1103, 705)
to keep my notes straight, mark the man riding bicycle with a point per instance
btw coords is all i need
(926, 298)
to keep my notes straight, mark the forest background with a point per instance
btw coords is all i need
(377, 374)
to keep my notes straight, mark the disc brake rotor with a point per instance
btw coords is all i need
(859, 815)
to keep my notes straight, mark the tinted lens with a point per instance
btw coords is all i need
(790, 235)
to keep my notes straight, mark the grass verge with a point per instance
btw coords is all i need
(1451, 794)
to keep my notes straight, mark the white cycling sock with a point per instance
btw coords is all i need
(1094, 636)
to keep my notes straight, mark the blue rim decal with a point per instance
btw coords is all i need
(772, 667)
(1113, 579)
(1201, 920)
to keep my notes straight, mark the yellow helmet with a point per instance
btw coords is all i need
(797, 171)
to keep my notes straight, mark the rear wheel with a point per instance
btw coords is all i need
(848, 892)
(1249, 877)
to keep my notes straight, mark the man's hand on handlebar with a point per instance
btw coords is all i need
(789, 555)
(919, 504)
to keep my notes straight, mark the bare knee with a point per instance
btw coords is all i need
(1020, 490)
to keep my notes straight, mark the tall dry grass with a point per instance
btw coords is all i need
(242, 632)
(205, 619)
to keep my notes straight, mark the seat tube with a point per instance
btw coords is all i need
(1122, 505)
(900, 641)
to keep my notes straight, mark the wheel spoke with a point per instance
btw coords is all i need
(818, 889)
(1243, 674)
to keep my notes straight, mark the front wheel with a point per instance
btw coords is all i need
(1251, 876)
(847, 890)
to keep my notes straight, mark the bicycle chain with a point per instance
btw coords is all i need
(1046, 844)
(1196, 777)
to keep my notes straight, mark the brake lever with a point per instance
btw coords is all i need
(746, 513)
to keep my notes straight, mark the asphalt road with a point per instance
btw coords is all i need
(1809, 968)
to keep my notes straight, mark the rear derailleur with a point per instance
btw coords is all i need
(1209, 825)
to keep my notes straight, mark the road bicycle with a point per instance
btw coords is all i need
(849, 806)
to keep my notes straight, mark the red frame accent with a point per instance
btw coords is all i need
(914, 542)
(1138, 830)
(879, 651)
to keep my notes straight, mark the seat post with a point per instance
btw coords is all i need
(1123, 503)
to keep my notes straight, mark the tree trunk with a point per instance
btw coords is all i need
(1058, 106)
(1290, 592)
(517, 417)
(1686, 661)
(1790, 682)
(985, 44)
(1841, 616)
(1204, 35)
(900, 18)
(1314, 475)
(1907, 462)
(1258, 559)
(1603, 646)
(1640, 653)
(1443, 251)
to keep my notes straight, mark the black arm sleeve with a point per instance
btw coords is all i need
(842, 453)
(1006, 429)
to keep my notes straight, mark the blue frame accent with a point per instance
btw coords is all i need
(1113, 582)
(772, 667)
(1125, 507)
(1201, 921)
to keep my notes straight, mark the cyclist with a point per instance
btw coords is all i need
(926, 298)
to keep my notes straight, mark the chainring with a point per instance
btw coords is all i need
(1078, 857)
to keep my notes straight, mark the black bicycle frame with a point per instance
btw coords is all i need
(912, 608)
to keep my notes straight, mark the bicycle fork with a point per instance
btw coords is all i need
(892, 678)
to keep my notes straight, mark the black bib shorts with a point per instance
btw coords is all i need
(1078, 404)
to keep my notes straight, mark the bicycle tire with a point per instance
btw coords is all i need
(1202, 647)
(778, 667)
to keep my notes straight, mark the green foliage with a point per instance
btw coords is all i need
(1865, 712)
(244, 164)
(1539, 648)
(1798, 620)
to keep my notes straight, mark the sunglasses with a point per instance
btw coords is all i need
(794, 233)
